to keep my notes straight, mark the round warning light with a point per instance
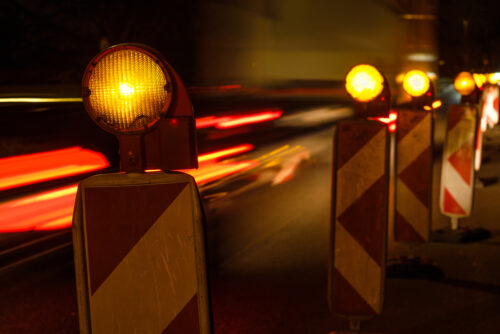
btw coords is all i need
(126, 88)
(493, 78)
(364, 82)
(480, 79)
(416, 83)
(464, 83)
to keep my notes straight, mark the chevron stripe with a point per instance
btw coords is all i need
(349, 258)
(456, 186)
(120, 304)
(414, 155)
(457, 174)
(359, 225)
(356, 176)
(414, 143)
(412, 210)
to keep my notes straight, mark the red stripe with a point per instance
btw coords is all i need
(462, 161)
(404, 231)
(353, 136)
(187, 320)
(116, 219)
(450, 204)
(365, 220)
(346, 300)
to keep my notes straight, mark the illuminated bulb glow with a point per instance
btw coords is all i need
(364, 83)
(45, 166)
(480, 79)
(493, 78)
(437, 104)
(127, 90)
(390, 121)
(464, 83)
(416, 83)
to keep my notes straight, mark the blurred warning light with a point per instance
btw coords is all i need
(34, 168)
(364, 83)
(390, 121)
(416, 83)
(465, 83)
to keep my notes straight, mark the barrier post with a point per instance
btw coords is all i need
(139, 241)
(360, 202)
(457, 170)
(413, 190)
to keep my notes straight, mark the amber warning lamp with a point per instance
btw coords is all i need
(465, 84)
(417, 84)
(369, 89)
(132, 92)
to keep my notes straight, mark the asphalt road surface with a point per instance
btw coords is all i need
(268, 258)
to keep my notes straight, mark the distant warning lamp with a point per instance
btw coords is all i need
(464, 83)
(369, 89)
(126, 89)
(493, 78)
(480, 79)
(364, 83)
(132, 92)
(416, 83)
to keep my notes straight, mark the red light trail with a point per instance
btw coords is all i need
(39, 167)
(227, 122)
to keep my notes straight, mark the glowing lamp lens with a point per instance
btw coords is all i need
(364, 83)
(416, 83)
(126, 90)
(464, 83)
(480, 79)
(493, 78)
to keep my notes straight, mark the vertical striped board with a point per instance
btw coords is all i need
(359, 218)
(414, 176)
(140, 255)
(457, 170)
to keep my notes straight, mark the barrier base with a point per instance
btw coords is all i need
(413, 267)
(462, 235)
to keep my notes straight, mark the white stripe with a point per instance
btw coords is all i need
(361, 171)
(358, 268)
(458, 188)
(412, 210)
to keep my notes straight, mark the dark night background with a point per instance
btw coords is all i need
(50, 42)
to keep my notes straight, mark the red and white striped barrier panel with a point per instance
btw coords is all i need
(414, 176)
(457, 170)
(359, 218)
(488, 118)
(139, 255)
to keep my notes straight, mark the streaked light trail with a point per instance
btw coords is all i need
(39, 167)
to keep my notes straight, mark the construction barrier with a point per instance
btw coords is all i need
(457, 171)
(414, 176)
(140, 255)
(359, 218)
(487, 118)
